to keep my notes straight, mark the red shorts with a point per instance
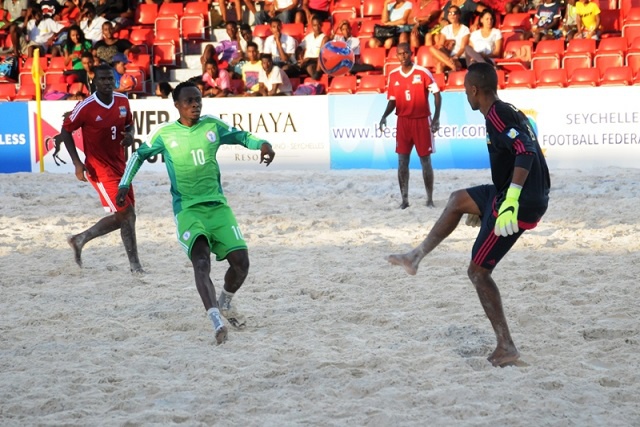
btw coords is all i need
(416, 132)
(107, 190)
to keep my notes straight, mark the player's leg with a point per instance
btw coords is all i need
(460, 202)
(403, 179)
(491, 301)
(229, 245)
(404, 145)
(427, 177)
(127, 220)
(104, 226)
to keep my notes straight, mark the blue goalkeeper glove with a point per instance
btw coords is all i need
(507, 221)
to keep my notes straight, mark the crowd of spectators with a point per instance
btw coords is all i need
(456, 32)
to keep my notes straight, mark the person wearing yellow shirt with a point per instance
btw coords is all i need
(588, 19)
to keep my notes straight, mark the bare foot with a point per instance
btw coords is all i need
(504, 356)
(430, 203)
(406, 261)
(404, 204)
(221, 335)
(77, 249)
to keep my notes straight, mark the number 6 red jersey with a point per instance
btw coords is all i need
(411, 91)
(102, 127)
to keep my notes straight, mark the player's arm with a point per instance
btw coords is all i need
(135, 162)
(70, 145)
(391, 105)
(128, 136)
(231, 135)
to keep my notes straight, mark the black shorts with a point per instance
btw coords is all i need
(488, 248)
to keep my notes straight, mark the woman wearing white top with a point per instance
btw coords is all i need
(395, 13)
(451, 43)
(487, 40)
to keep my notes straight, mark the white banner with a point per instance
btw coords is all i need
(584, 127)
(295, 126)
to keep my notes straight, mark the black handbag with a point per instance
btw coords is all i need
(383, 32)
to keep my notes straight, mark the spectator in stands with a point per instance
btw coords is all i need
(74, 47)
(106, 48)
(70, 12)
(354, 44)
(251, 69)
(486, 41)
(217, 81)
(588, 19)
(228, 49)
(425, 22)
(84, 75)
(246, 34)
(163, 90)
(272, 79)
(311, 44)
(197, 80)
(209, 54)
(238, 8)
(40, 34)
(468, 10)
(280, 46)
(548, 24)
(14, 12)
(451, 43)
(569, 23)
(395, 13)
(311, 8)
(90, 23)
(49, 8)
(124, 82)
(284, 10)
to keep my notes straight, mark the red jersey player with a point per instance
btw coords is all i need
(106, 123)
(408, 93)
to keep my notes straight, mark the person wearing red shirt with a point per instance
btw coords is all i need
(408, 93)
(107, 127)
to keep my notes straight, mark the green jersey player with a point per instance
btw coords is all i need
(204, 219)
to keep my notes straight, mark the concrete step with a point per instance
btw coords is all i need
(182, 74)
(192, 62)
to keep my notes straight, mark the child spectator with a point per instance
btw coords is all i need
(246, 34)
(280, 46)
(217, 81)
(90, 23)
(124, 82)
(273, 80)
(251, 69)
(163, 90)
(311, 44)
(548, 25)
(588, 19)
(41, 33)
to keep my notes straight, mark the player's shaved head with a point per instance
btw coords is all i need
(178, 89)
(483, 76)
(404, 46)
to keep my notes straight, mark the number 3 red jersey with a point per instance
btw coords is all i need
(411, 91)
(102, 126)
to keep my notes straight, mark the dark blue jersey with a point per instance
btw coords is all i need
(512, 142)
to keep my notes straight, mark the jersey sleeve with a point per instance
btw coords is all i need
(391, 93)
(431, 84)
(75, 120)
(233, 136)
(129, 118)
(153, 147)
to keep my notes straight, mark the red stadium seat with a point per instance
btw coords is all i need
(571, 63)
(169, 36)
(502, 79)
(341, 14)
(193, 28)
(632, 16)
(343, 84)
(28, 64)
(295, 30)
(165, 54)
(617, 76)
(166, 23)
(374, 83)
(610, 23)
(552, 78)
(140, 61)
(577, 47)
(627, 5)
(584, 77)
(78, 88)
(519, 22)
(372, 9)
(425, 59)
(633, 62)
(514, 54)
(455, 80)
(263, 31)
(197, 8)
(142, 38)
(631, 32)
(375, 57)
(521, 79)
(367, 28)
(538, 64)
(612, 45)
(57, 64)
(7, 91)
(603, 62)
(171, 9)
(27, 92)
(545, 48)
(53, 77)
(146, 14)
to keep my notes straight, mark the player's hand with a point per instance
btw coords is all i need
(473, 220)
(382, 124)
(507, 221)
(121, 196)
(80, 172)
(127, 139)
(435, 125)
(266, 154)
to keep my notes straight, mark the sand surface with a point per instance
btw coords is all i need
(336, 336)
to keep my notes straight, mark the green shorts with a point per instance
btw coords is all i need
(216, 222)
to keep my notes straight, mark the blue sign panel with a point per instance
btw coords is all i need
(15, 151)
